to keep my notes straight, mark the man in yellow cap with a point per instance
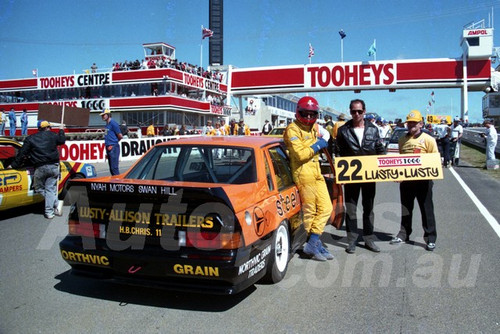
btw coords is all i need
(111, 138)
(417, 141)
(41, 148)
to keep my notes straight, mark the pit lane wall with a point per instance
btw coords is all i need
(93, 151)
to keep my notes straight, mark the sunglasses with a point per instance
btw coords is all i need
(357, 111)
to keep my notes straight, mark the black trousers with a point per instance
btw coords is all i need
(444, 147)
(422, 191)
(351, 196)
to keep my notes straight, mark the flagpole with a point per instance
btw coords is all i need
(341, 50)
(201, 48)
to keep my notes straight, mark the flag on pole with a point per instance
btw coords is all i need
(35, 72)
(432, 97)
(205, 32)
(342, 34)
(373, 49)
(311, 50)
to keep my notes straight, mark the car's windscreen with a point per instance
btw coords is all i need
(186, 163)
(277, 131)
(397, 134)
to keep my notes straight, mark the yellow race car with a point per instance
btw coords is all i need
(16, 185)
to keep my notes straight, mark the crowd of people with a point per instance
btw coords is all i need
(167, 63)
(219, 128)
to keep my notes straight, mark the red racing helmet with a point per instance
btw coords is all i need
(307, 106)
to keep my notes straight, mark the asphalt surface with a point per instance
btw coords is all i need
(402, 289)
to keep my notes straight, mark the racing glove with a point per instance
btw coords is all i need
(319, 145)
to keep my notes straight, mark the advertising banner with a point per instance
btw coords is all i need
(384, 168)
(93, 151)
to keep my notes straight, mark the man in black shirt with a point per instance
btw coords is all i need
(41, 148)
(359, 137)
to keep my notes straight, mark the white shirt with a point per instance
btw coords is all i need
(359, 133)
(456, 131)
(441, 130)
(491, 135)
(383, 130)
(323, 133)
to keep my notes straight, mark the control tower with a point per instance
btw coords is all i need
(476, 43)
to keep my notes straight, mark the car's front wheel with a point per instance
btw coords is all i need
(280, 254)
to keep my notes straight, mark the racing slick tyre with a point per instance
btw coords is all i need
(280, 254)
(64, 195)
(455, 162)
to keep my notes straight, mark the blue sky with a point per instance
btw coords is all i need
(62, 37)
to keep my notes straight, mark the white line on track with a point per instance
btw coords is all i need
(486, 214)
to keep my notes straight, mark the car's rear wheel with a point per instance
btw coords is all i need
(64, 195)
(280, 254)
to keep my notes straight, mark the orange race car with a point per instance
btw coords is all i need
(208, 214)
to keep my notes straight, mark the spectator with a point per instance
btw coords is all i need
(24, 123)
(183, 131)
(267, 127)
(333, 135)
(491, 139)
(166, 131)
(443, 141)
(175, 131)
(457, 132)
(124, 129)
(3, 121)
(111, 141)
(12, 122)
(241, 129)
(225, 127)
(207, 129)
(93, 68)
(150, 132)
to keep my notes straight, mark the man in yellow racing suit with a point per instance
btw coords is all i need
(304, 143)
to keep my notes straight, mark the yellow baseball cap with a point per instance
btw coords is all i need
(414, 116)
(43, 124)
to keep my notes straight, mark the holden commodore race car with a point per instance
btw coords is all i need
(206, 214)
(16, 185)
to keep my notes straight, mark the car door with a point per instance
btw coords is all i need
(16, 185)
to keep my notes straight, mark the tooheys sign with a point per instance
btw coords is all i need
(80, 80)
(95, 151)
(444, 73)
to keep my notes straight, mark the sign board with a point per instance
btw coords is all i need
(72, 115)
(384, 168)
(93, 151)
(390, 74)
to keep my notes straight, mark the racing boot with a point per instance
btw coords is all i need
(312, 248)
(324, 251)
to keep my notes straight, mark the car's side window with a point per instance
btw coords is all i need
(7, 154)
(281, 167)
(166, 165)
